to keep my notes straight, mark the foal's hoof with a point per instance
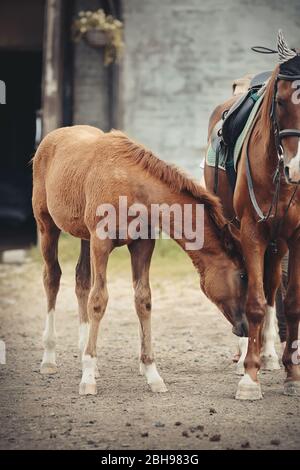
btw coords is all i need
(158, 387)
(248, 389)
(48, 368)
(291, 388)
(270, 363)
(87, 389)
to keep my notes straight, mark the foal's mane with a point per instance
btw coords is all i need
(263, 130)
(170, 174)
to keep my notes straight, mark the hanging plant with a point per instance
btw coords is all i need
(100, 30)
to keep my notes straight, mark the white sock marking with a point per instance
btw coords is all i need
(150, 372)
(246, 380)
(243, 346)
(88, 369)
(49, 338)
(269, 334)
(83, 337)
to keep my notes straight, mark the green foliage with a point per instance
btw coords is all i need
(169, 260)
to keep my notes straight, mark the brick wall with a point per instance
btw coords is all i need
(181, 57)
(91, 81)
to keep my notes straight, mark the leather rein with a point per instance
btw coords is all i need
(279, 135)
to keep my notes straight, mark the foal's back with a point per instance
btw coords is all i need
(60, 168)
(77, 168)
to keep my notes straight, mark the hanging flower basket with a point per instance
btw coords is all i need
(96, 38)
(100, 30)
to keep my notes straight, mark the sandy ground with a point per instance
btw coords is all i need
(193, 345)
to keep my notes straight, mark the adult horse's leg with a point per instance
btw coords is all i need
(290, 357)
(280, 294)
(243, 348)
(82, 289)
(49, 235)
(141, 252)
(254, 246)
(268, 355)
(272, 281)
(279, 301)
(96, 306)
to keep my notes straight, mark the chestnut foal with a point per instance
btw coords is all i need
(76, 169)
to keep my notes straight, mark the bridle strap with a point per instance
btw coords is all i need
(289, 133)
(288, 78)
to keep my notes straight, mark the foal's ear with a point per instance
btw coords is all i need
(231, 239)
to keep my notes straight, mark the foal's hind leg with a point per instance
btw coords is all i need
(82, 289)
(49, 235)
(141, 252)
(97, 302)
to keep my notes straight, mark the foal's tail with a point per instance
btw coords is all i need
(42, 155)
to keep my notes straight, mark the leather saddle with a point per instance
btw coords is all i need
(229, 128)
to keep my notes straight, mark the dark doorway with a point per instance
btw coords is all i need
(22, 73)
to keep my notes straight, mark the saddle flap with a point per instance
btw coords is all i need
(237, 117)
(238, 114)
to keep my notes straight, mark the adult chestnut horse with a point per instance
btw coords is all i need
(267, 204)
(75, 170)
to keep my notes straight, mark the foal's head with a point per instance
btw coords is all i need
(224, 280)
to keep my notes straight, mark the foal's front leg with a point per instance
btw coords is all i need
(97, 302)
(82, 289)
(141, 252)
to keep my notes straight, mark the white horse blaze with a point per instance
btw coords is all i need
(294, 166)
(49, 339)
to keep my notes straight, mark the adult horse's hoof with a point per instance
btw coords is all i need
(270, 363)
(48, 368)
(291, 388)
(87, 389)
(158, 387)
(248, 389)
